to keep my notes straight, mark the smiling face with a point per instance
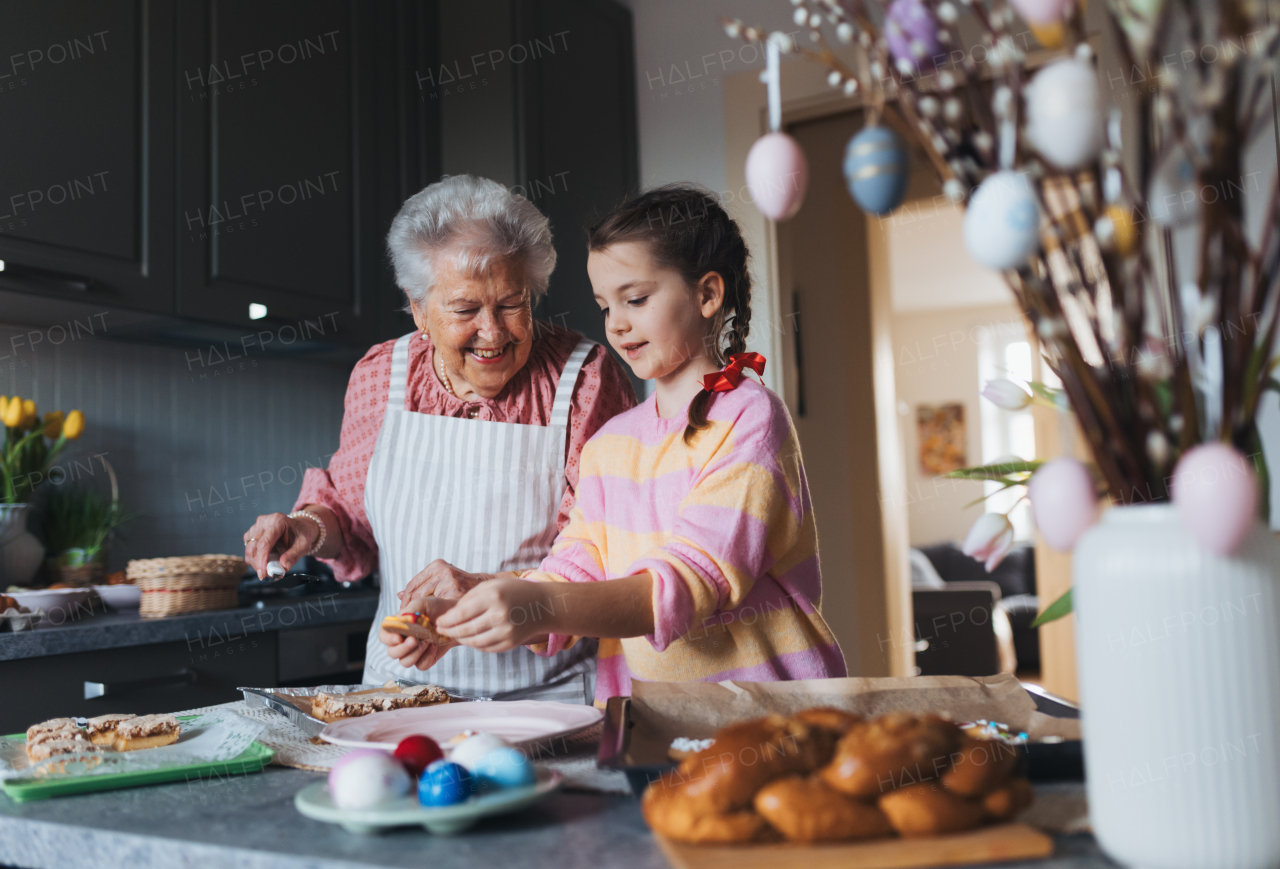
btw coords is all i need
(653, 317)
(481, 327)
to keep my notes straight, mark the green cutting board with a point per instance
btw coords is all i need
(22, 790)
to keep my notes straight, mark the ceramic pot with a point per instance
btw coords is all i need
(20, 551)
(1179, 673)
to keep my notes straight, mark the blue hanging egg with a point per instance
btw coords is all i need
(876, 169)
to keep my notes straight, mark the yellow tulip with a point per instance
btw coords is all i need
(53, 424)
(12, 415)
(29, 415)
(74, 426)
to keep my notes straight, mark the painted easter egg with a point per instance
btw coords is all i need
(1001, 224)
(1064, 114)
(1215, 492)
(417, 753)
(1121, 231)
(777, 175)
(473, 748)
(445, 783)
(1064, 502)
(912, 34)
(876, 169)
(504, 768)
(1041, 11)
(366, 778)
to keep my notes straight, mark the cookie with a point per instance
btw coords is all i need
(102, 730)
(147, 731)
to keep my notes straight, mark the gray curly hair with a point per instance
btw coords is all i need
(474, 222)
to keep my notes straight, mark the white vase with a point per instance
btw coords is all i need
(1179, 656)
(20, 551)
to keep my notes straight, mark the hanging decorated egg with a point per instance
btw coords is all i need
(777, 175)
(1116, 230)
(1041, 11)
(1064, 113)
(1064, 502)
(912, 34)
(1216, 495)
(876, 169)
(1002, 222)
(1174, 195)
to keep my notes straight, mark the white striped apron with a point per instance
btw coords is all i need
(484, 497)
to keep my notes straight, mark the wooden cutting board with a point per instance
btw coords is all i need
(985, 845)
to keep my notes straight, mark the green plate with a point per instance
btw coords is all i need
(22, 790)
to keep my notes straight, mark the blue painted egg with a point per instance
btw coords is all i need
(503, 768)
(876, 169)
(444, 783)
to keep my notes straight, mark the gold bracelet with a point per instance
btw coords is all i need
(319, 544)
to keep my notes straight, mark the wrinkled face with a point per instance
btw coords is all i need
(481, 327)
(653, 318)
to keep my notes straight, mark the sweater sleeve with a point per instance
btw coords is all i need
(745, 510)
(340, 487)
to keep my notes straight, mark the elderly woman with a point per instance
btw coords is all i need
(460, 442)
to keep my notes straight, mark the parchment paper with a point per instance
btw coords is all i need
(661, 711)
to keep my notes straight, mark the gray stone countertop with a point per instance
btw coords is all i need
(249, 822)
(127, 628)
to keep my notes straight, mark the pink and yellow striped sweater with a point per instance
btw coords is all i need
(726, 527)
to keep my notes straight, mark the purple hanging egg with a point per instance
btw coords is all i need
(1216, 493)
(912, 34)
(777, 175)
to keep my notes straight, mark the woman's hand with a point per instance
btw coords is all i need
(501, 614)
(410, 651)
(442, 579)
(293, 538)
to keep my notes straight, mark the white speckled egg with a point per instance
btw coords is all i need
(777, 175)
(468, 752)
(1001, 224)
(364, 779)
(1064, 113)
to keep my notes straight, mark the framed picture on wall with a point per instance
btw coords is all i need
(941, 431)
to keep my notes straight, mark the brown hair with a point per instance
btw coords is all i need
(687, 230)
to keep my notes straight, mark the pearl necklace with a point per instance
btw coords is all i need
(444, 376)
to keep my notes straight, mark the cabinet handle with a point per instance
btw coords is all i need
(28, 278)
(115, 689)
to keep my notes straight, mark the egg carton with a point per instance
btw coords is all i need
(20, 619)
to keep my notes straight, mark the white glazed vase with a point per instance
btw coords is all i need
(20, 551)
(1179, 657)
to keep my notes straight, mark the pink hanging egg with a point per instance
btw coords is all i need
(1063, 502)
(777, 175)
(1215, 492)
(1041, 11)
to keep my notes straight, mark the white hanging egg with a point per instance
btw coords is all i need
(1064, 113)
(777, 175)
(1002, 222)
(1041, 11)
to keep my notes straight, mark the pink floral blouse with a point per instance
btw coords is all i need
(603, 391)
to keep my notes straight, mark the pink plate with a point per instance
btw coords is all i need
(515, 721)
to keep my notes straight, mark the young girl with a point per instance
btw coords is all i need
(692, 550)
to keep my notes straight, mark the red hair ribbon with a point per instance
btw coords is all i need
(728, 377)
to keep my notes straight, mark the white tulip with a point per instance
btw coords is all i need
(1006, 394)
(989, 540)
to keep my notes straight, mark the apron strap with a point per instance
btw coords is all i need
(568, 380)
(399, 371)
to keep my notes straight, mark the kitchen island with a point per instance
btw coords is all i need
(249, 822)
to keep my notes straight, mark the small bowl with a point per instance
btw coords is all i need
(121, 597)
(52, 599)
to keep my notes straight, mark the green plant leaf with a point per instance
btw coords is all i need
(1008, 484)
(1044, 391)
(1056, 610)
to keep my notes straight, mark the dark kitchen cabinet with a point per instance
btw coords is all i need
(86, 151)
(210, 155)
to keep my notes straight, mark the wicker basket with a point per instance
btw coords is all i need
(80, 576)
(189, 584)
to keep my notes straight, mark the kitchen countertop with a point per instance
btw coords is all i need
(250, 822)
(127, 628)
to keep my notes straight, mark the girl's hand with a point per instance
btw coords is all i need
(410, 651)
(500, 614)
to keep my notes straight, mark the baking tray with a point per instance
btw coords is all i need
(251, 760)
(272, 699)
(1060, 760)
